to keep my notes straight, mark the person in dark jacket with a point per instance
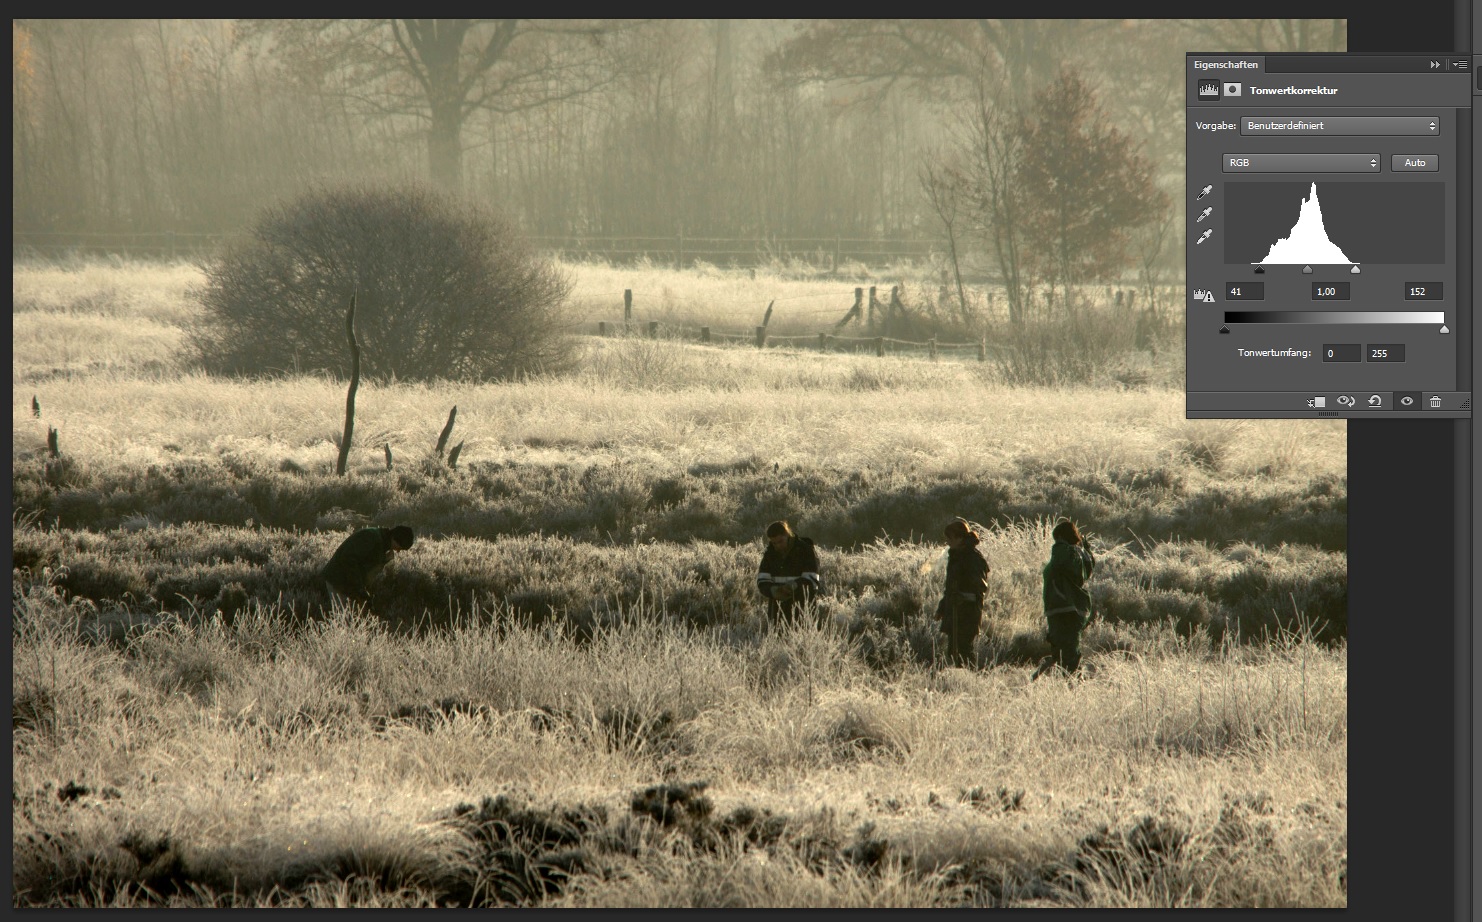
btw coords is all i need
(360, 557)
(788, 574)
(961, 609)
(1067, 600)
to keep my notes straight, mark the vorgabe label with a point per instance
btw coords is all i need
(1215, 126)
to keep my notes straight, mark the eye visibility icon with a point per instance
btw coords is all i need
(1345, 401)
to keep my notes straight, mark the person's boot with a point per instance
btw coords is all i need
(1045, 665)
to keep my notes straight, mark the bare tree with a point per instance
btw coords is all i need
(1270, 34)
(944, 197)
(989, 182)
(442, 70)
(1003, 59)
(720, 111)
(1152, 239)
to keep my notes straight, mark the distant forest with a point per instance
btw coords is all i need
(721, 128)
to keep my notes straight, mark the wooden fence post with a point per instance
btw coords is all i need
(835, 268)
(983, 350)
(442, 439)
(761, 337)
(822, 342)
(880, 346)
(602, 328)
(933, 344)
(874, 304)
(704, 334)
(653, 329)
(344, 457)
(854, 313)
(627, 306)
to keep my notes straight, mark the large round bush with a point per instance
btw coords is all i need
(443, 290)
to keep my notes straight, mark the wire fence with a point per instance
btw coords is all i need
(887, 324)
(741, 252)
(679, 250)
(153, 245)
(760, 338)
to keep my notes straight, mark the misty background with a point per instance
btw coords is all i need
(572, 128)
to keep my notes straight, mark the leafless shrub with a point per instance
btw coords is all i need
(443, 290)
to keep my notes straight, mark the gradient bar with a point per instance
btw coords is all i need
(1420, 317)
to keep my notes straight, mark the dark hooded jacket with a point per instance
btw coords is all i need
(967, 572)
(796, 565)
(1065, 574)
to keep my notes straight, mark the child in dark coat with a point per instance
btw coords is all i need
(1067, 600)
(961, 609)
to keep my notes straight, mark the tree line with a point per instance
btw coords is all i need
(703, 127)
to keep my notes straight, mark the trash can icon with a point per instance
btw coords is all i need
(1435, 401)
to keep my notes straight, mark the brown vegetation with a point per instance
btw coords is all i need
(193, 727)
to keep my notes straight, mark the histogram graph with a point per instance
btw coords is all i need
(1308, 241)
(1327, 223)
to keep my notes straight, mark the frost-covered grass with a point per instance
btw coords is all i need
(259, 763)
(192, 727)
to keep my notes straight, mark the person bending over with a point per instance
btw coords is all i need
(360, 557)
